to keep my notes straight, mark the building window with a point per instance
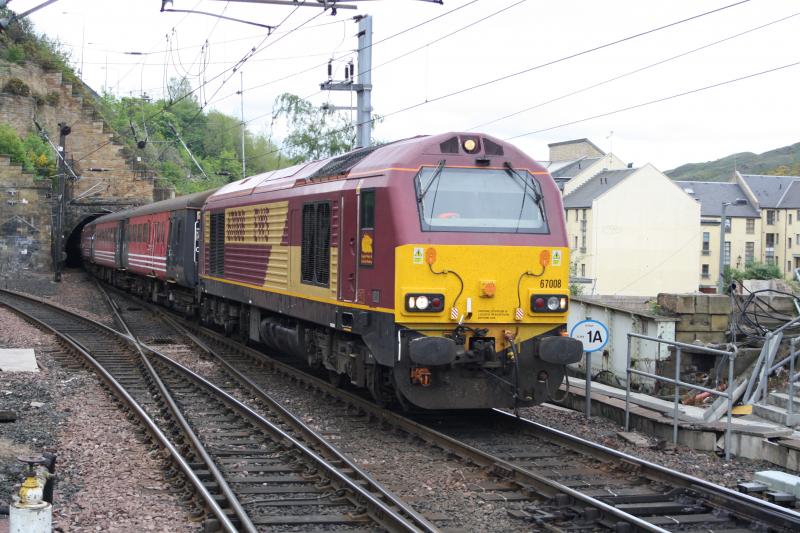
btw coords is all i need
(727, 258)
(706, 241)
(727, 225)
(583, 214)
(315, 255)
(798, 214)
(583, 243)
(770, 217)
(705, 271)
(576, 241)
(749, 253)
(769, 252)
(788, 265)
(576, 215)
(583, 270)
(790, 218)
(751, 225)
(790, 242)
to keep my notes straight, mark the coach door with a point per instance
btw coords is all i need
(176, 255)
(119, 239)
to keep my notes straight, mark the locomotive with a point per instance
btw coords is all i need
(432, 271)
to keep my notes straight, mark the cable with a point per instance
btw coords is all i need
(562, 59)
(401, 32)
(629, 73)
(554, 61)
(658, 100)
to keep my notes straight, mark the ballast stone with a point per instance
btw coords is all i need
(780, 481)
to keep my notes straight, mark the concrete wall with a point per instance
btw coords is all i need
(580, 255)
(620, 321)
(109, 179)
(24, 221)
(607, 162)
(573, 150)
(645, 236)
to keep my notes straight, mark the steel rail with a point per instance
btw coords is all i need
(740, 504)
(723, 497)
(125, 397)
(421, 522)
(236, 505)
(393, 520)
(498, 466)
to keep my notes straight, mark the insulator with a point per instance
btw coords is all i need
(352, 68)
(330, 69)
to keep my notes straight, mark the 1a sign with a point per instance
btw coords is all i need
(593, 335)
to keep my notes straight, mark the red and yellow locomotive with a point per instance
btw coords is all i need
(432, 270)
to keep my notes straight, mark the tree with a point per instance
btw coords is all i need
(315, 132)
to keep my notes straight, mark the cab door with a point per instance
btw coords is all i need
(348, 246)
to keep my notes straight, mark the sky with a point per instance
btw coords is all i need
(434, 54)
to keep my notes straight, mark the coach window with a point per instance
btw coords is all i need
(315, 255)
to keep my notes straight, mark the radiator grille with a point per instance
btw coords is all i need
(216, 255)
(315, 256)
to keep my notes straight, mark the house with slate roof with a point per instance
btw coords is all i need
(574, 162)
(743, 243)
(777, 198)
(633, 232)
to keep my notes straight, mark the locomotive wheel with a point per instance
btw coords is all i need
(379, 381)
(336, 379)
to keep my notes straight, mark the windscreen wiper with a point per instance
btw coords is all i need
(537, 196)
(435, 177)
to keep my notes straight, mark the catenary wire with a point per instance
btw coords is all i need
(657, 100)
(635, 71)
(549, 63)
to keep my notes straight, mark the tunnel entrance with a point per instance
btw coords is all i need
(73, 246)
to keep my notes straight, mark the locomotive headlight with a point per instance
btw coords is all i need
(429, 302)
(549, 303)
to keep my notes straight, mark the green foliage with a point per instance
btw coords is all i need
(19, 43)
(214, 139)
(575, 289)
(39, 156)
(752, 271)
(17, 86)
(14, 54)
(784, 161)
(315, 132)
(11, 145)
(32, 153)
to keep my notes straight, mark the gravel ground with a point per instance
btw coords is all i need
(435, 484)
(107, 480)
(704, 465)
(425, 477)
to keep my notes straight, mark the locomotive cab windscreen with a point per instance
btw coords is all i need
(480, 200)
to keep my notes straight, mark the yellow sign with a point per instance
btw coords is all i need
(366, 250)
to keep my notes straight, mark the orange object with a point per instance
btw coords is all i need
(544, 258)
(488, 288)
(430, 256)
(421, 376)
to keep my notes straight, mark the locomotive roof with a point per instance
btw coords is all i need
(189, 201)
(398, 154)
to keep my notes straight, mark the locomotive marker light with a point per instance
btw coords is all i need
(593, 334)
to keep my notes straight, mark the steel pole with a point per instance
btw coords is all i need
(677, 396)
(588, 384)
(364, 94)
(721, 282)
(628, 386)
(241, 92)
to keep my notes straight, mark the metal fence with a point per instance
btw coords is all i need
(729, 391)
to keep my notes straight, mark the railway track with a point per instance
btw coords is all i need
(557, 480)
(248, 472)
